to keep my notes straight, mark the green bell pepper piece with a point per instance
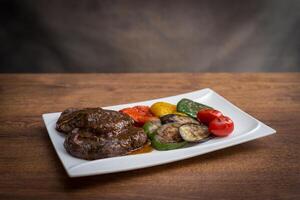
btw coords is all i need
(150, 128)
(166, 146)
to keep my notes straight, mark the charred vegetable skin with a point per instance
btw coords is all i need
(169, 133)
(140, 114)
(177, 131)
(173, 118)
(194, 132)
(164, 137)
(167, 137)
(161, 146)
(190, 107)
(151, 127)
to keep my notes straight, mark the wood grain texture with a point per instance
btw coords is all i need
(267, 168)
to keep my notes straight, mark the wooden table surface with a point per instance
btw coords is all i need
(267, 168)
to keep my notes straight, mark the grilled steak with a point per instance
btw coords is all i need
(94, 118)
(83, 143)
(95, 133)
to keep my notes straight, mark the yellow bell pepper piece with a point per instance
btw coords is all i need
(179, 113)
(162, 108)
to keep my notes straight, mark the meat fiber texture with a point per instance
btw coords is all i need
(94, 133)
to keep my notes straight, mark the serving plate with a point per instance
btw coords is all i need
(246, 128)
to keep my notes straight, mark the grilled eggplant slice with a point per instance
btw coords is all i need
(169, 133)
(172, 118)
(158, 144)
(167, 137)
(194, 132)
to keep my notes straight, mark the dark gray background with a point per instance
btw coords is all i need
(150, 36)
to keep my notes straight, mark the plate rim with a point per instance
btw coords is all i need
(77, 170)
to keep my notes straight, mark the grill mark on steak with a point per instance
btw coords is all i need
(95, 133)
(83, 143)
(95, 118)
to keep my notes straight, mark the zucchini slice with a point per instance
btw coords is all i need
(190, 107)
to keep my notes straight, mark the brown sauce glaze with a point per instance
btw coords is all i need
(145, 149)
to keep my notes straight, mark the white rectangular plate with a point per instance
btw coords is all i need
(246, 128)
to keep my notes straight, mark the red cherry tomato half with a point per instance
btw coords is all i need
(207, 115)
(221, 126)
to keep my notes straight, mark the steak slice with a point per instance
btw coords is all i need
(86, 144)
(98, 119)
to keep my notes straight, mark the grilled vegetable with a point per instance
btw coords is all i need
(190, 107)
(179, 113)
(162, 108)
(162, 146)
(194, 132)
(151, 127)
(169, 132)
(167, 137)
(172, 118)
(221, 126)
(207, 115)
(140, 114)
